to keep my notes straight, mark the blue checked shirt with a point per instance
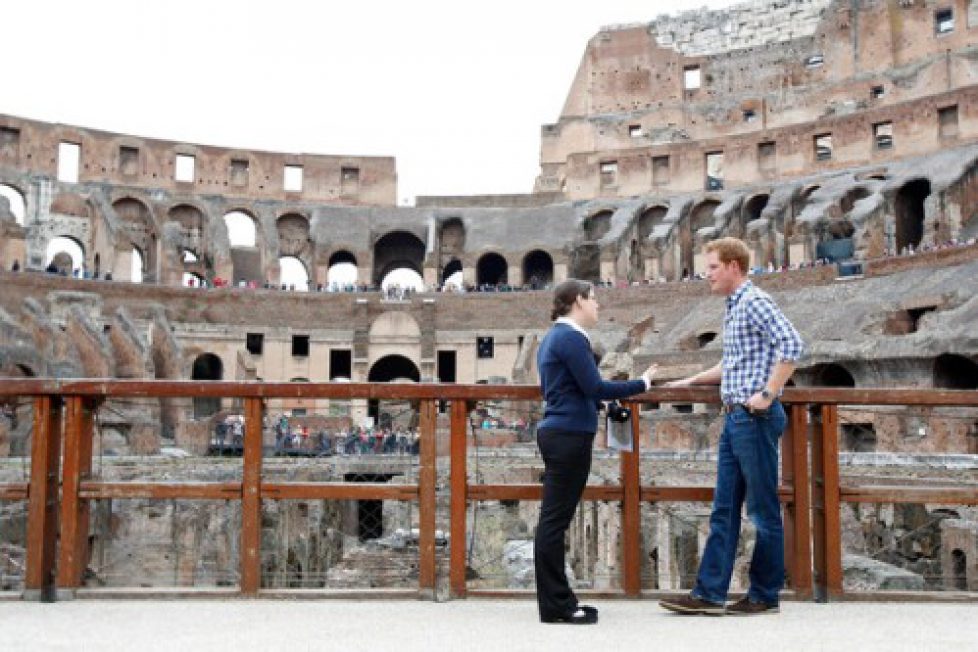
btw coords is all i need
(756, 335)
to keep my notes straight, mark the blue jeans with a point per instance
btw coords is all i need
(747, 469)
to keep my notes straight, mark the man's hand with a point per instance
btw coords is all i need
(757, 402)
(649, 374)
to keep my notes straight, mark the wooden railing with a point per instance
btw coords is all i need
(57, 527)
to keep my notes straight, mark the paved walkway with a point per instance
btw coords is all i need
(474, 624)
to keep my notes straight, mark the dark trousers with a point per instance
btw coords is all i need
(567, 463)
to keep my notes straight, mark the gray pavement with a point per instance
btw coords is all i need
(473, 624)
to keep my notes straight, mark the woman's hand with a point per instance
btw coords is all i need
(649, 374)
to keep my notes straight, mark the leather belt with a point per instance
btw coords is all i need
(728, 408)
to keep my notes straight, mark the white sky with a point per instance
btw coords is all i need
(456, 91)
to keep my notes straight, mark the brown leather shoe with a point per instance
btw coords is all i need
(691, 605)
(747, 607)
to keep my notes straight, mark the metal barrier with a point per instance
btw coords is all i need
(57, 528)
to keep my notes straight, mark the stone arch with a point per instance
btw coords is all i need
(18, 205)
(754, 206)
(853, 195)
(293, 235)
(491, 269)
(649, 219)
(597, 225)
(342, 256)
(699, 217)
(245, 253)
(141, 228)
(909, 209)
(453, 267)
(702, 214)
(293, 273)
(66, 253)
(242, 228)
(392, 368)
(206, 366)
(831, 375)
(190, 218)
(955, 372)
(191, 221)
(193, 280)
(397, 250)
(538, 269)
(807, 192)
(341, 269)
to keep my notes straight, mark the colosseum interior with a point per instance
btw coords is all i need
(839, 139)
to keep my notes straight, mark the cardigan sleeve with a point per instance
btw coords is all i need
(576, 352)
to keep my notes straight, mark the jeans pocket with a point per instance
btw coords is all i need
(741, 416)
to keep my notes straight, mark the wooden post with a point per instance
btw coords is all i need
(42, 503)
(427, 498)
(459, 499)
(75, 511)
(251, 498)
(797, 515)
(631, 513)
(827, 532)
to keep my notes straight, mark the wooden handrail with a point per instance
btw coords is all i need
(809, 487)
(453, 391)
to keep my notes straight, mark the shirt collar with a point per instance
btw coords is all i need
(573, 324)
(739, 292)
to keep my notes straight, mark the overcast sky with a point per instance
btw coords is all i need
(456, 91)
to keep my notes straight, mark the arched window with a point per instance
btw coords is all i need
(397, 250)
(342, 270)
(293, 274)
(69, 253)
(16, 201)
(241, 229)
(538, 269)
(491, 270)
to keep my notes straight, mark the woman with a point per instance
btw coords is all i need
(572, 389)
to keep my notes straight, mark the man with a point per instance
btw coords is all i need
(760, 349)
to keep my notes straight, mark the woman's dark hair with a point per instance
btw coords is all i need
(566, 294)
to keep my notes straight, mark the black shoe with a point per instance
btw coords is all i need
(691, 605)
(747, 607)
(583, 615)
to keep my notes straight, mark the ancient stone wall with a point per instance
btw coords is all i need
(759, 83)
(126, 160)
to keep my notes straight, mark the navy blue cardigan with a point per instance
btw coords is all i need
(571, 383)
